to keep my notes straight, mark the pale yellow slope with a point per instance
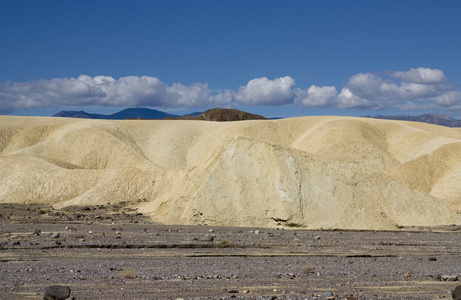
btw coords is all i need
(330, 172)
(259, 184)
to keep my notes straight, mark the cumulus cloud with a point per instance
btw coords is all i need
(420, 75)
(263, 91)
(103, 91)
(315, 96)
(419, 88)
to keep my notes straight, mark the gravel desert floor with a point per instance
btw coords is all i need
(110, 252)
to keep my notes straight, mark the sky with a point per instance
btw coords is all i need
(275, 58)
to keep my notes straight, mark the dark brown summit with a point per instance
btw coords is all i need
(222, 115)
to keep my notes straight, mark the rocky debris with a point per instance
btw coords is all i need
(37, 232)
(456, 294)
(406, 275)
(56, 235)
(57, 292)
(449, 277)
(185, 265)
(432, 259)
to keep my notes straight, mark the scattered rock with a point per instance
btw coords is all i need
(449, 277)
(328, 294)
(432, 259)
(37, 232)
(17, 243)
(456, 294)
(55, 235)
(57, 292)
(256, 231)
(211, 238)
(406, 275)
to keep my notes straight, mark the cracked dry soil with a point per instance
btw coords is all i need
(107, 252)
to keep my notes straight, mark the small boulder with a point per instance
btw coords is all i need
(456, 294)
(328, 294)
(37, 232)
(56, 235)
(56, 292)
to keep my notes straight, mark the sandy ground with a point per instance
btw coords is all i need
(110, 252)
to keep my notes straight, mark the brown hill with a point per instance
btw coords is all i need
(311, 172)
(221, 115)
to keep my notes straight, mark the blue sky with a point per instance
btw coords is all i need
(276, 58)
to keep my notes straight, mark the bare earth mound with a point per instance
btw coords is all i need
(221, 115)
(313, 172)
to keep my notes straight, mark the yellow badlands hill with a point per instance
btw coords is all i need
(312, 172)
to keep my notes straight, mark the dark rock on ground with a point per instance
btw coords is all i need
(456, 294)
(57, 292)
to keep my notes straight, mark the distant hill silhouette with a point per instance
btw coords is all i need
(221, 115)
(215, 114)
(79, 114)
(129, 113)
(427, 118)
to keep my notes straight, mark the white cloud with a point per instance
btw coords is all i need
(222, 98)
(374, 88)
(420, 75)
(448, 99)
(420, 88)
(104, 91)
(348, 100)
(425, 89)
(263, 91)
(314, 96)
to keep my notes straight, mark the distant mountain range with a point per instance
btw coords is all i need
(427, 118)
(218, 114)
(215, 114)
(129, 113)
